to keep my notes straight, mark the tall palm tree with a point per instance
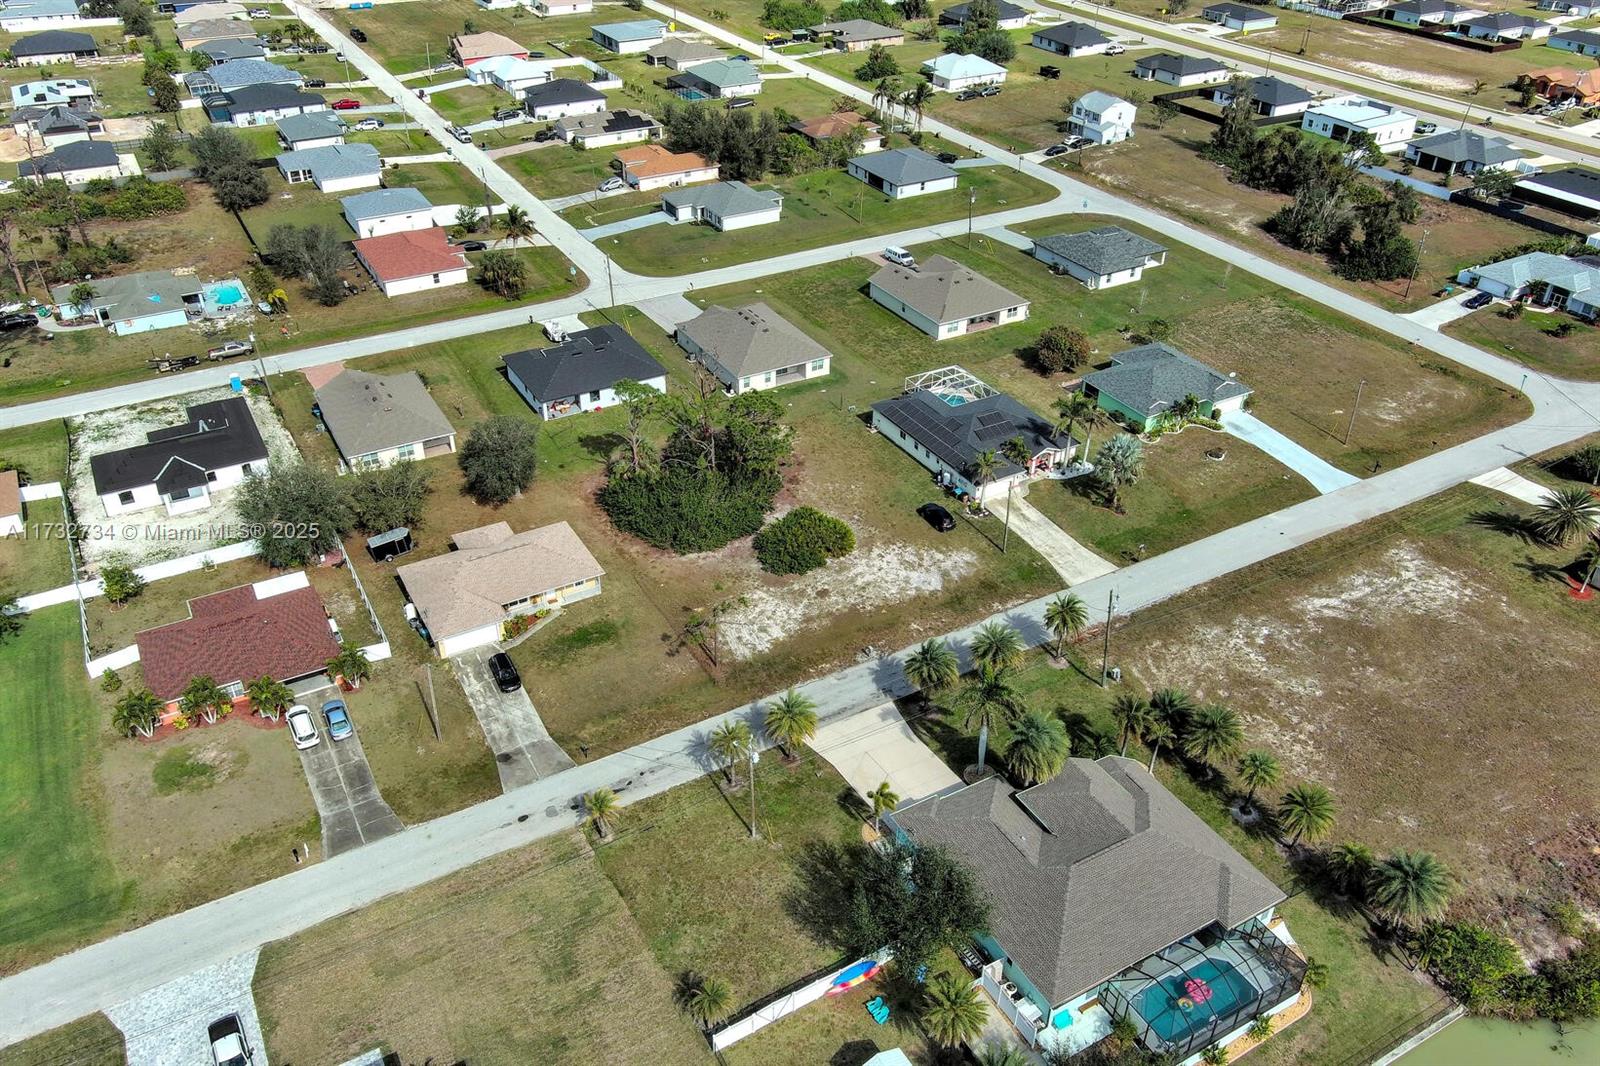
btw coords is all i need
(987, 700)
(951, 1010)
(516, 225)
(1307, 811)
(708, 1001)
(983, 467)
(1212, 736)
(1132, 715)
(884, 95)
(269, 696)
(916, 99)
(791, 721)
(730, 745)
(1065, 617)
(1157, 733)
(137, 711)
(1410, 887)
(1173, 706)
(884, 801)
(601, 808)
(1258, 769)
(1349, 866)
(932, 667)
(1072, 409)
(203, 696)
(997, 644)
(1016, 451)
(1565, 513)
(1038, 747)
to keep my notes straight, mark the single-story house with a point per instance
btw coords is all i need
(1545, 281)
(719, 79)
(412, 261)
(333, 167)
(1581, 8)
(945, 418)
(607, 129)
(238, 73)
(723, 205)
(379, 421)
(1240, 17)
(1270, 96)
(1583, 42)
(75, 162)
(23, 16)
(581, 373)
(1110, 900)
(1144, 384)
(678, 54)
(1102, 118)
(52, 46)
(1573, 190)
(1071, 39)
(1009, 16)
(952, 73)
(314, 130)
(192, 35)
(11, 508)
(134, 303)
(1182, 71)
(465, 597)
(262, 105)
(276, 628)
(227, 51)
(57, 124)
(555, 8)
(857, 35)
(1101, 257)
(75, 93)
(1564, 83)
(752, 348)
(902, 172)
(179, 467)
(562, 97)
(473, 48)
(650, 166)
(1344, 118)
(1431, 13)
(1462, 151)
(509, 74)
(944, 298)
(841, 124)
(628, 38)
(1507, 26)
(372, 214)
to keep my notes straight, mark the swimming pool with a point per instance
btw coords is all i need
(952, 399)
(227, 295)
(220, 298)
(1160, 1003)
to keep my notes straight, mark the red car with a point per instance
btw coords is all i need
(346, 104)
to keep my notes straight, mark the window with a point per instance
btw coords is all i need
(406, 451)
(211, 477)
(744, 383)
(817, 365)
(234, 689)
(125, 498)
(594, 397)
(436, 279)
(247, 470)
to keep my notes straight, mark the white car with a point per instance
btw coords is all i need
(259, 13)
(1114, 49)
(612, 184)
(368, 124)
(302, 728)
(899, 257)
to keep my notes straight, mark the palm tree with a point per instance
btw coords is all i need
(984, 465)
(932, 667)
(1016, 451)
(997, 644)
(1410, 887)
(1586, 461)
(269, 696)
(730, 745)
(1172, 706)
(1065, 617)
(1038, 747)
(82, 297)
(1001, 1054)
(1157, 733)
(916, 99)
(987, 700)
(884, 94)
(791, 721)
(708, 1000)
(1119, 464)
(883, 800)
(1306, 810)
(1565, 512)
(1132, 716)
(1212, 736)
(1072, 409)
(601, 808)
(951, 1010)
(1258, 769)
(351, 664)
(517, 225)
(137, 711)
(1433, 944)
(203, 696)
(1590, 561)
(1349, 866)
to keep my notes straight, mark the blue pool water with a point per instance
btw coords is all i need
(227, 295)
(953, 401)
(1158, 1004)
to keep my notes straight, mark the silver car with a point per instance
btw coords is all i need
(302, 729)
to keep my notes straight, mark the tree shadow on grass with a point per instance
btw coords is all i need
(1507, 522)
(601, 445)
(823, 897)
(1544, 572)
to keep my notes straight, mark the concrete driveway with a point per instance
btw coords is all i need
(1071, 560)
(1436, 316)
(1323, 475)
(877, 746)
(166, 1026)
(626, 225)
(352, 810)
(523, 750)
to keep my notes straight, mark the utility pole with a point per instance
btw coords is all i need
(1352, 423)
(1005, 541)
(610, 283)
(1416, 265)
(755, 834)
(1105, 648)
(972, 202)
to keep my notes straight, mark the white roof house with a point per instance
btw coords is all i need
(509, 73)
(1347, 117)
(1102, 118)
(381, 211)
(953, 73)
(73, 92)
(1547, 280)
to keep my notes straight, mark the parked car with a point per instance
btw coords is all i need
(301, 728)
(292, 50)
(1477, 300)
(316, 83)
(318, 49)
(346, 104)
(357, 36)
(990, 90)
(967, 94)
(612, 184)
(443, 68)
(937, 517)
(899, 256)
(545, 134)
(535, 55)
(460, 133)
(776, 40)
(228, 1045)
(1057, 149)
(742, 101)
(21, 320)
(1075, 142)
(339, 56)
(504, 672)
(948, 157)
(1050, 72)
(229, 349)
(473, 246)
(1114, 49)
(369, 124)
(506, 114)
(338, 720)
(259, 13)
(1425, 128)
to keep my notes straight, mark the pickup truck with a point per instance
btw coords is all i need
(228, 1045)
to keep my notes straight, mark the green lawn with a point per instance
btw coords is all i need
(409, 37)
(91, 1041)
(441, 183)
(1577, 355)
(470, 103)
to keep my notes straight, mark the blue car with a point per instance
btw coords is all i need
(338, 719)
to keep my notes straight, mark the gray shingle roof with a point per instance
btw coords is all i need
(903, 166)
(606, 122)
(53, 42)
(852, 30)
(1073, 35)
(1156, 377)
(238, 73)
(957, 434)
(381, 202)
(1572, 181)
(1092, 871)
(560, 91)
(719, 74)
(57, 118)
(751, 339)
(1507, 20)
(75, 155)
(217, 434)
(945, 290)
(1466, 146)
(729, 199)
(311, 126)
(1180, 66)
(147, 292)
(588, 360)
(679, 50)
(331, 162)
(270, 98)
(957, 13)
(1573, 275)
(1239, 11)
(1583, 37)
(368, 413)
(1275, 92)
(1105, 250)
(223, 51)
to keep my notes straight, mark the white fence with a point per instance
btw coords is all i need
(764, 1016)
(154, 572)
(50, 490)
(1426, 188)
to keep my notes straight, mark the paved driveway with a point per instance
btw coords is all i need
(523, 750)
(1071, 560)
(626, 225)
(877, 746)
(1323, 475)
(1436, 316)
(166, 1026)
(352, 810)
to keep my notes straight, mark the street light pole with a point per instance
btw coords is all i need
(1352, 423)
(1416, 265)
(1105, 648)
(972, 202)
(1005, 541)
(610, 282)
(755, 834)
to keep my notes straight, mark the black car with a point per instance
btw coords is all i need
(1477, 300)
(1049, 72)
(18, 321)
(316, 83)
(743, 101)
(504, 672)
(318, 49)
(506, 114)
(357, 36)
(535, 55)
(937, 517)
(1056, 149)
(544, 134)
(948, 157)
(473, 246)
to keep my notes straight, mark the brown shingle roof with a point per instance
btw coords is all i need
(473, 46)
(838, 124)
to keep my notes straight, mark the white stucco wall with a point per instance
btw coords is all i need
(377, 227)
(550, 112)
(423, 282)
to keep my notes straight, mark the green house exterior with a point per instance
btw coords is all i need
(1144, 384)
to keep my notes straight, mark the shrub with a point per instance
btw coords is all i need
(1061, 348)
(801, 541)
(499, 458)
(109, 681)
(121, 582)
(685, 510)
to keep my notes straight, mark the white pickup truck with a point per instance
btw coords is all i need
(228, 1045)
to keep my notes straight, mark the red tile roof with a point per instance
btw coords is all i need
(233, 636)
(396, 256)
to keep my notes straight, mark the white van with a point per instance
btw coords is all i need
(900, 257)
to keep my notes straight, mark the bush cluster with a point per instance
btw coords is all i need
(801, 541)
(686, 510)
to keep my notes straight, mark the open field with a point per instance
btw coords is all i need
(1577, 355)
(91, 1041)
(409, 37)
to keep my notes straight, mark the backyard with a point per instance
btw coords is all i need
(1527, 339)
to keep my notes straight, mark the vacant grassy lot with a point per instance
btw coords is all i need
(409, 37)
(37, 559)
(91, 1041)
(1577, 355)
(529, 957)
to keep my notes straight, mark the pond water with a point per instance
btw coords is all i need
(1492, 1042)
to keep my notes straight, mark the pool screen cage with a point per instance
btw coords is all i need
(1267, 964)
(950, 381)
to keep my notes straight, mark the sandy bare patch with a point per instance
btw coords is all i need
(1404, 76)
